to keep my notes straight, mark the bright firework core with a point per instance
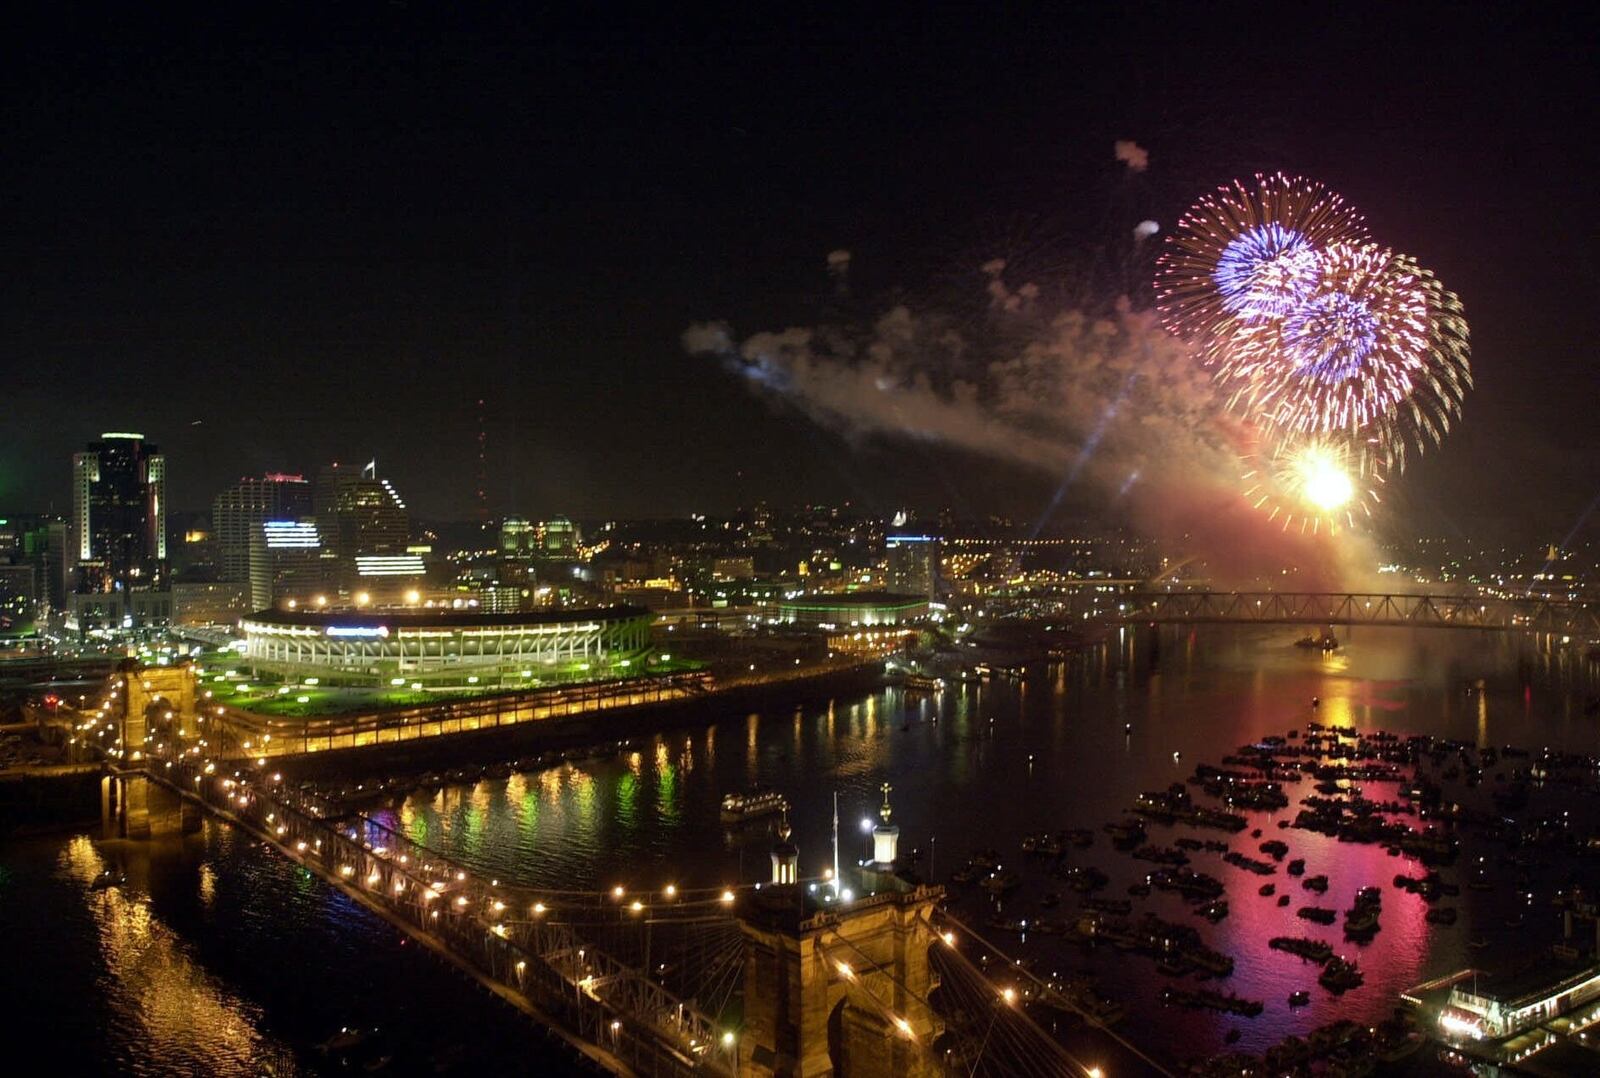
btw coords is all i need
(1323, 481)
(1265, 272)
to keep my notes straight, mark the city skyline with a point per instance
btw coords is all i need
(370, 255)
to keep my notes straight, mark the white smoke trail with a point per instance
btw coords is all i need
(1087, 399)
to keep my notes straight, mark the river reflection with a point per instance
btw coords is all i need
(218, 958)
(981, 765)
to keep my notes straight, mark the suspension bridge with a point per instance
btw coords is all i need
(790, 976)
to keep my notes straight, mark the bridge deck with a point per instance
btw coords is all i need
(1362, 608)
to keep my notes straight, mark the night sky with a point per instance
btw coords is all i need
(328, 236)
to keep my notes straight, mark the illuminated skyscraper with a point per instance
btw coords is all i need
(518, 538)
(246, 504)
(913, 565)
(358, 513)
(119, 515)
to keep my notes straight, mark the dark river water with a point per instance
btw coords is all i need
(217, 958)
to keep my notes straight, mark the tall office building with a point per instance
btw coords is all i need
(558, 538)
(285, 562)
(236, 512)
(358, 513)
(518, 538)
(913, 565)
(119, 515)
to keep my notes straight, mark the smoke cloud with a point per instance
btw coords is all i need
(1130, 153)
(1106, 404)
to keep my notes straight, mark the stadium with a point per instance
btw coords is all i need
(435, 649)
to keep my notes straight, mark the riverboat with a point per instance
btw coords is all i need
(739, 808)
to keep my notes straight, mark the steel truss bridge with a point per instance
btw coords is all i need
(1360, 608)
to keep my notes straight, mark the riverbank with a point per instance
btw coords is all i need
(497, 743)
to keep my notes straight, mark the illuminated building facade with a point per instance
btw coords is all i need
(119, 513)
(359, 513)
(286, 562)
(518, 538)
(238, 510)
(449, 647)
(852, 609)
(913, 564)
(558, 538)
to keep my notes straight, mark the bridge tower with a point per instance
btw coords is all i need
(149, 694)
(838, 986)
(157, 708)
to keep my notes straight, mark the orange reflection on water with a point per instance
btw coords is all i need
(174, 997)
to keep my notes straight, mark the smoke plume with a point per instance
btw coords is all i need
(1107, 404)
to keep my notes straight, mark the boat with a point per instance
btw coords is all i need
(1477, 943)
(1283, 900)
(1360, 925)
(1297, 866)
(998, 883)
(1309, 949)
(1318, 884)
(107, 879)
(1319, 914)
(1444, 915)
(1205, 999)
(1339, 976)
(737, 808)
(343, 1041)
(1267, 889)
(1325, 642)
(1300, 998)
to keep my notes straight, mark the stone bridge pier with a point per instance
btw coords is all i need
(133, 805)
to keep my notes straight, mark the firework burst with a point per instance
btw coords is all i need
(1375, 347)
(1314, 485)
(1341, 355)
(1248, 253)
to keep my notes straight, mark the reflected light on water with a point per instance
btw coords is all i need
(176, 1003)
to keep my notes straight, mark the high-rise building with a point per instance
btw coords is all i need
(558, 538)
(518, 538)
(358, 513)
(119, 515)
(249, 502)
(285, 562)
(913, 567)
